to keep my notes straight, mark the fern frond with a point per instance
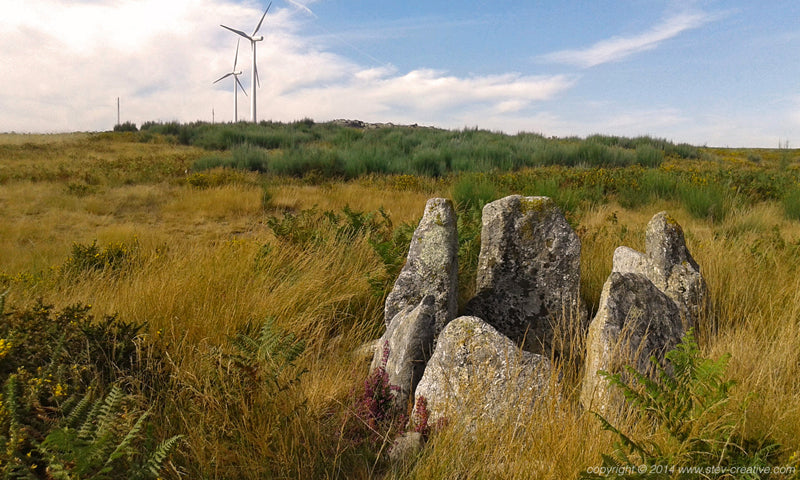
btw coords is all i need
(126, 442)
(77, 414)
(155, 462)
(108, 411)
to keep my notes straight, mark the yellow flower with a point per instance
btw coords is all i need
(5, 347)
(60, 390)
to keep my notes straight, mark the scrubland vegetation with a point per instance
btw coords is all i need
(189, 301)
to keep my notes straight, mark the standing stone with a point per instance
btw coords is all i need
(475, 372)
(409, 340)
(635, 321)
(528, 270)
(669, 265)
(431, 267)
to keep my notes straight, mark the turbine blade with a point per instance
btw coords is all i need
(240, 85)
(238, 32)
(258, 80)
(223, 77)
(262, 19)
(236, 58)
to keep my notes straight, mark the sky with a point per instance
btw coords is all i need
(705, 72)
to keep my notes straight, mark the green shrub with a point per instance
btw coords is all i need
(301, 161)
(247, 156)
(126, 127)
(473, 192)
(649, 156)
(791, 204)
(689, 405)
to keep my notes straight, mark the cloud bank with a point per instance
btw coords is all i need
(69, 63)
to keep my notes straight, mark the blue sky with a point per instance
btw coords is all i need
(704, 72)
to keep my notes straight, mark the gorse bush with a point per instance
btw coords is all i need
(92, 257)
(689, 403)
(103, 440)
(51, 366)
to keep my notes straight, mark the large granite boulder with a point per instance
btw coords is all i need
(635, 321)
(405, 348)
(669, 265)
(528, 270)
(475, 371)
(431, 267)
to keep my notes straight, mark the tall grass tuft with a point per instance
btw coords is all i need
(705, 201)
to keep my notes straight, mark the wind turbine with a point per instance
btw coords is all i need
(253, 39)
(235, 83)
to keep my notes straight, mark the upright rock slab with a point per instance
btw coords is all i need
(668, 264)
(407, 345)
(635, 321)
(528, 270)
(475, 371)
(431, 267)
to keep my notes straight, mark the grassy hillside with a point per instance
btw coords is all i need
(229, 274)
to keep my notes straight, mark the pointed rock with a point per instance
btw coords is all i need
(635, 321)
(528, 270)
(669, 265)
(406, 347)
(431, 267)
(475, 364)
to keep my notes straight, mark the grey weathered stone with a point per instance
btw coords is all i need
(409, 340)
(635, 321)
(528, 270)
(406, 447)
(475, 371)
(668, 264)
(431, 267)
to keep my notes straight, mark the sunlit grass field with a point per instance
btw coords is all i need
(203, 257)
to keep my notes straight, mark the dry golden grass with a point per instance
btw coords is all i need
(206, 264)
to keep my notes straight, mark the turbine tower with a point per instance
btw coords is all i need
(253, 39)
(235, 83)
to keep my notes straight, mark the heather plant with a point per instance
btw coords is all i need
(689, 404)
(375, 417)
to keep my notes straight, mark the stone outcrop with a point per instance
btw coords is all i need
(473, 364)
(431, 267)
(635, 321)
(409, 340)
(528, 270)
(669, 265)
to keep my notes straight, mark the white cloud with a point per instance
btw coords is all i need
(69, 63)
(617, 48)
